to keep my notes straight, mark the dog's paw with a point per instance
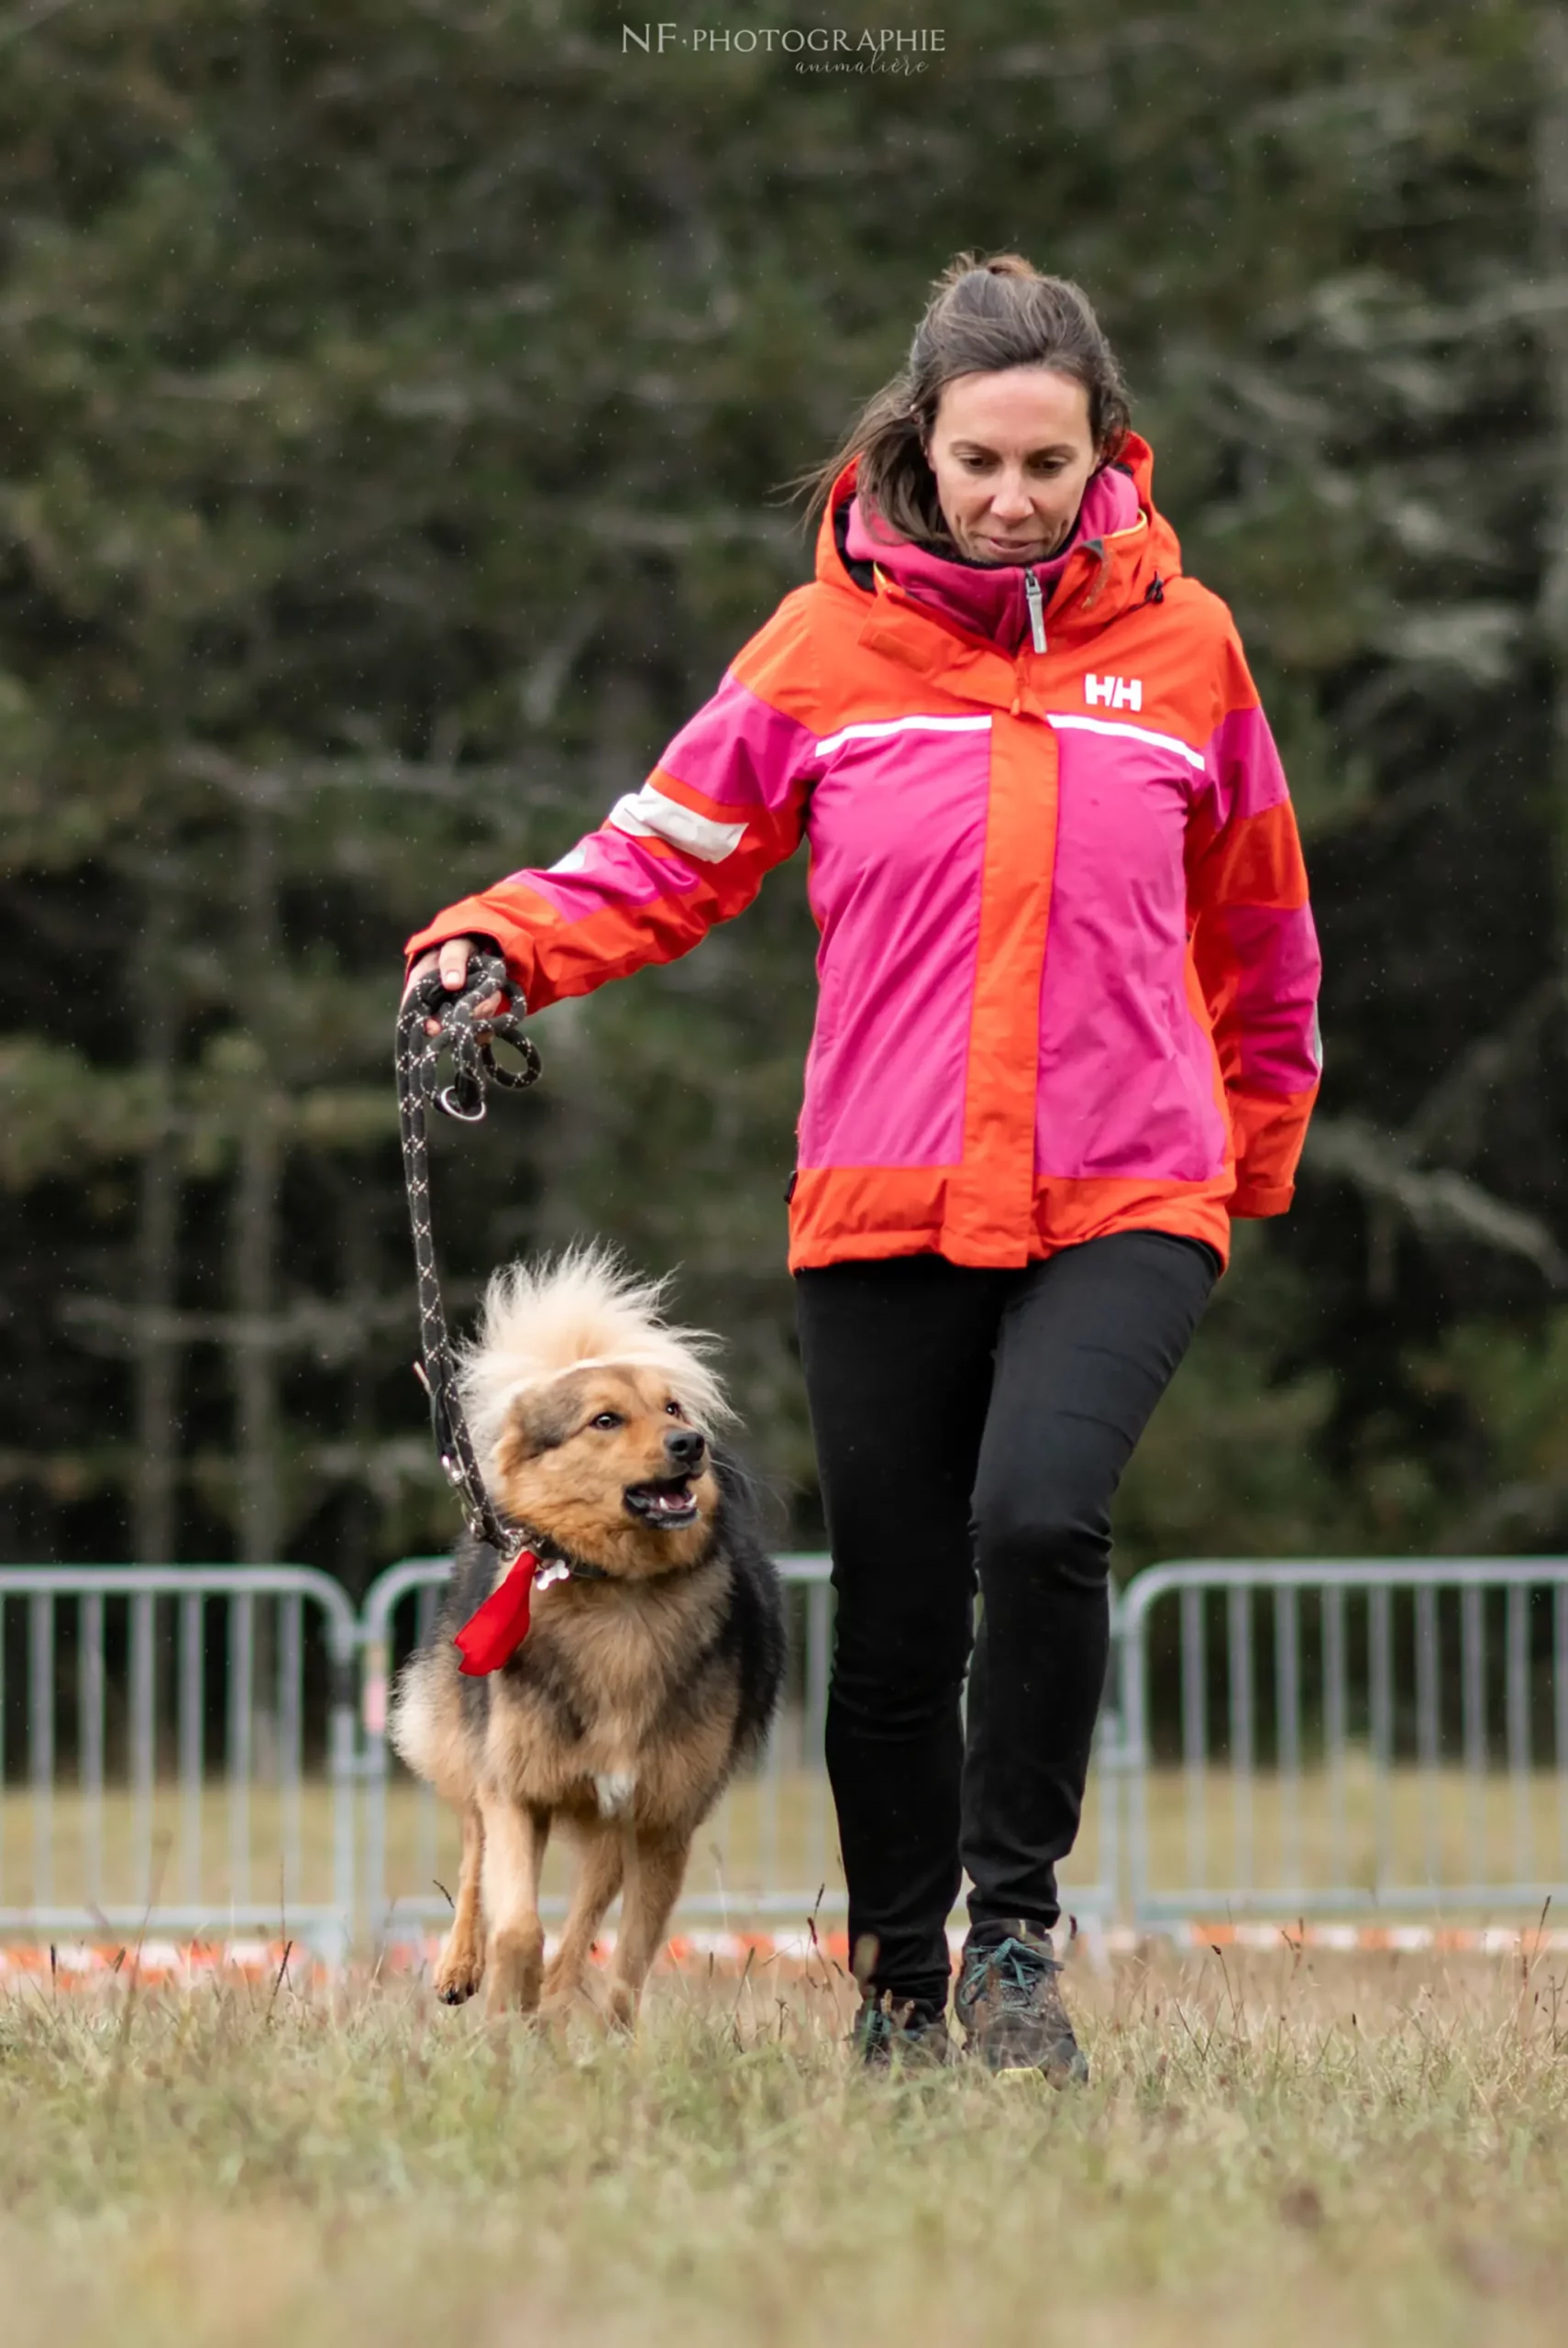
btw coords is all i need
(621, 2012)
(561, 1983)
(457, 1976)
(514, 1971)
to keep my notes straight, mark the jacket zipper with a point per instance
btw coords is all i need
(1036, 603)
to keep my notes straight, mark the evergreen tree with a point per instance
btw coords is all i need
(396, 399)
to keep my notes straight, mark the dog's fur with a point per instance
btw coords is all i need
(633, 1698)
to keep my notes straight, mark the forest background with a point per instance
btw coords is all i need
(395, 402)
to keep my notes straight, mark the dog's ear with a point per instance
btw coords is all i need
(512, 1449)
(535, 1423)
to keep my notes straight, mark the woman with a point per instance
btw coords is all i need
(1065, 1033)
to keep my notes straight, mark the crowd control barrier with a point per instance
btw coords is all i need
(201, 1752)
(1338, 1737)
(176, 1750)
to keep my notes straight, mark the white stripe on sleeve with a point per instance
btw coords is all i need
(649, 813)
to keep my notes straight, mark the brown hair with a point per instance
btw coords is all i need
(983, 315)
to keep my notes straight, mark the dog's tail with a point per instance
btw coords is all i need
(424, 1726)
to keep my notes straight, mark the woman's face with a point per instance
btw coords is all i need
(1012, 453)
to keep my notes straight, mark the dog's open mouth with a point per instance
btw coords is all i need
(669, 1502)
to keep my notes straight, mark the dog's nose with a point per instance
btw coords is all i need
(683, 1447)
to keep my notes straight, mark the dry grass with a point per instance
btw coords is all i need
(1358, 2151)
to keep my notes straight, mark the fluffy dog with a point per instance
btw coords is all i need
(644, 1678)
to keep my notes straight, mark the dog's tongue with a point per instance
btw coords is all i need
(494, 1631)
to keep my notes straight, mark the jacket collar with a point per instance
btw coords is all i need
(1120, 545)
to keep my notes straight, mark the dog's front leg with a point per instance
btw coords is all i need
(514, 1840)
(654, 1871)
(461, 1962)
(599, 1879)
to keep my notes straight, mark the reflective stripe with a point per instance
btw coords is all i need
(648, 814)
(875, 730)
(1132, 733)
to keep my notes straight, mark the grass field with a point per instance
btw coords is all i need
(1356, 2151)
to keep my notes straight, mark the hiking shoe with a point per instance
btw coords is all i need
(900, 2031)
(1012, 2010)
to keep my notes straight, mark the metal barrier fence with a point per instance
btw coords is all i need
(1371, 1734)
(195, 1750)
(187, 1750)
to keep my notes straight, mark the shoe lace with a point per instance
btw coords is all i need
(1016, 1971)
(881, 2025)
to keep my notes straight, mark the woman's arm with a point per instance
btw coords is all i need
(725, 803)
(1255, 947)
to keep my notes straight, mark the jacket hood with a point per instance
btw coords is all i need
(1119, 547)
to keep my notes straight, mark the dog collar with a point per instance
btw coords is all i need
(494, 1631)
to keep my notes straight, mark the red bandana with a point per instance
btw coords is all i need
(494, 1631)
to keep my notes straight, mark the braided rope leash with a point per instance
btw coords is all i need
(468, 1038)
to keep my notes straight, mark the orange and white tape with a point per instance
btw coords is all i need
(1352, 1940)
(68, 1964)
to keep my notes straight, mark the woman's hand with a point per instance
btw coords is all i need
(451, 958)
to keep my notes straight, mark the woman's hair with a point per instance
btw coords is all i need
(983, 315)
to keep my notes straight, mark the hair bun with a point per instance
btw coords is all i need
(964, 265)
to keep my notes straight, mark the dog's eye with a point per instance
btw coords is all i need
(608, 1419)
(675, 1410)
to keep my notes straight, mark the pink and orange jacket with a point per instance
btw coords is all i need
(1068, 969)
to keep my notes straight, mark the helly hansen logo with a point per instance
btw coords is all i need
(1114, 692)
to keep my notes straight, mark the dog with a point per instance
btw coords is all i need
(647, 1675)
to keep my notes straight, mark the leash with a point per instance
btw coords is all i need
(494, 1631)
(474, 1071)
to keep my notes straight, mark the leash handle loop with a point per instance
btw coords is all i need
(468, 1038)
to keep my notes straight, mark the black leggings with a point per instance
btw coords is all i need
(974, 1420)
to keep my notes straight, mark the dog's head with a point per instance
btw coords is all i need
(609, 1461)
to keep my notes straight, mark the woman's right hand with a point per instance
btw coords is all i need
(451, 958)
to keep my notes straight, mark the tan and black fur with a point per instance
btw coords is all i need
(632, 1697)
